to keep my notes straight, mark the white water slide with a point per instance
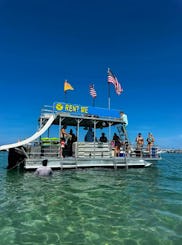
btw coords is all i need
(32, 138)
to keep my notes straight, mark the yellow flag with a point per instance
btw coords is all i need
(67, 86)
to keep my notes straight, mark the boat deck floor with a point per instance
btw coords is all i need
(70, 163)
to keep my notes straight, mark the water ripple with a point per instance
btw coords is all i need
(105, 207)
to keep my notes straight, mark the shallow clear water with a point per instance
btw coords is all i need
(102, 207)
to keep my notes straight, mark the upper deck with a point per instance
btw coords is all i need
(70, 114)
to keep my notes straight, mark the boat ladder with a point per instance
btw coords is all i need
(123, 135)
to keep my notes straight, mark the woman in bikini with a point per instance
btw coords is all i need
(150, 141)
(140, 141)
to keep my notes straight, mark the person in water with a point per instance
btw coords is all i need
(44, 170)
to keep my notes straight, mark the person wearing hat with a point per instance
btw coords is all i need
(150, 141)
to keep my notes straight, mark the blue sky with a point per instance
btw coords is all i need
(42, 43)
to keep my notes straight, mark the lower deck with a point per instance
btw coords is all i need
(81, 155)
(73, 162)
(70, 163)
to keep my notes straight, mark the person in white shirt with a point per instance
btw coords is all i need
(124, 118)
(44, 170)
(124, 121)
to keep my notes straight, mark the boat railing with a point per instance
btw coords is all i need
(91, 150)
(51, 147)
(46, 151)
(47, 109)
(144, 152)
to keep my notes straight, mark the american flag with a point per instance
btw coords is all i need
(118, 88)
(112, 79)
(93, 91)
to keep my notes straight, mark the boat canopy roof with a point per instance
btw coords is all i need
(86, 116)
(87, 121)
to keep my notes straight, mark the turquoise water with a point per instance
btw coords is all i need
(101, 207)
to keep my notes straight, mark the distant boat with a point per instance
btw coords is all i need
(161, 151)
(29, 153)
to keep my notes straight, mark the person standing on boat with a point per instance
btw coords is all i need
(124, 121)
(117, 145)
(150, 141)
(140, 141)
(64, 135)
(70, 142)
(72, 137)
(44, 170)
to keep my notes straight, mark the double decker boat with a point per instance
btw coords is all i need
(77, 152)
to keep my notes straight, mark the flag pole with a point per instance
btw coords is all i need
(65, 99)
(109, 94)
(93, 102)
(93, 94)
(64, 91)
(67, 86)
(109, 97)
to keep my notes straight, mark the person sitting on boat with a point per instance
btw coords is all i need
(44, 170)
(140, 141)
(103, 138)
(150, 141)
(117, 145)
(89, 137)
(124, 120)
